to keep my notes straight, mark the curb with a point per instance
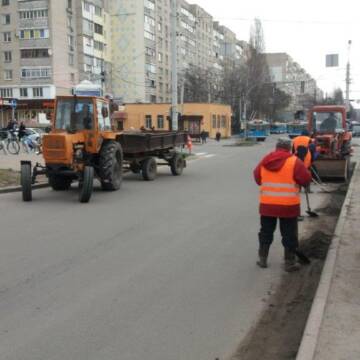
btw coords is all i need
(311, 333)
(11, 189)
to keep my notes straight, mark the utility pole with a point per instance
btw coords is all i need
(174, 78)
(348, 80)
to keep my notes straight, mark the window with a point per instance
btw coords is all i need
(7, 56)
(8, 74)
(69, 4)
(98, 11)
(160, 57)
(35, 73)
(72, 77)
(5, 19)
(218, 121)
(86, 6)
(71, 59)
(5, 2)
(23, 92)
(98, 29)
(7, 36)
(223, 121)
(6, 93)
(104, 122)
(153, 99)
(148, 35)
(214, 121)
(34, 53)
(74, 114)
(150, 52)
(34, 14)
(160, 121)
(98, 45)
(71, 42)
(38, 92)
(150, 68)
(34, 34)
(148, 121)
(149, 4)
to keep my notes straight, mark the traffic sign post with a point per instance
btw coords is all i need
(13, 104)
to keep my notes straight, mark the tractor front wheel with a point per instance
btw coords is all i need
(86, 187)
(110, 168)
(26, 182)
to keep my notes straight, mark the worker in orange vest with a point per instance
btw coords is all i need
(189, 144)
(280, 175)
(303, 148)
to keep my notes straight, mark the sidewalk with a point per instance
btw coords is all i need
(333, 327)
(13, 161)
(340, 329)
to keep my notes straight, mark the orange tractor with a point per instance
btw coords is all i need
(327, 124)
(82, 145)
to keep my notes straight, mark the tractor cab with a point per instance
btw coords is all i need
(79, 127)
(328, 120)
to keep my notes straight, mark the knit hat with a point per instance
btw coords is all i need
(284, 143)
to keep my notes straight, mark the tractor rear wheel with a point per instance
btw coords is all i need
(86, 187)
(110, 166)
(148, 169)
(177, 164)
(59, 183)
(26, 181)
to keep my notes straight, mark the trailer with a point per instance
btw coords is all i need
(141, 149)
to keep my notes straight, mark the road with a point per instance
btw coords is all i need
(161, 270)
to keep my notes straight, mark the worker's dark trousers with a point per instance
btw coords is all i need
(288, 230)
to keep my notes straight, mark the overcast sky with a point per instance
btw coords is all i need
(307, 30)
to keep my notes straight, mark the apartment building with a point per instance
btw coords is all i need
(291, 78)
(46, 48)
(141, 38)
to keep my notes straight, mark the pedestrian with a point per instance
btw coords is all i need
(203, 137)
(189, 144)
(280, 175)
(22, 129)
(218, 136)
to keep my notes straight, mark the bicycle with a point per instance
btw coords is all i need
(12, 146)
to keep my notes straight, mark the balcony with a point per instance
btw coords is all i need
(33, 5)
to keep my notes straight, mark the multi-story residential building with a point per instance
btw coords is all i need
(94, 42)
(141, 39)
(47, 47)
(291, 78)
(141, 50)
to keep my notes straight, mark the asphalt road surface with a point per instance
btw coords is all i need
(161, 270)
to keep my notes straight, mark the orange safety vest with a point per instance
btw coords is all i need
(305, 142)
(279, 187)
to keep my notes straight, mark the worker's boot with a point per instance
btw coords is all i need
(263, 255)
(291, 264)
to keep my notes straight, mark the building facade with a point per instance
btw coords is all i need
(195, 118)
(46, 48)
(141, 39)
(291, 78)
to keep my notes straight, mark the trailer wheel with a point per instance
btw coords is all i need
(111, 159)
(148, 169)
(26, 182)
(87, 183)
(177, 164)
(59, 183)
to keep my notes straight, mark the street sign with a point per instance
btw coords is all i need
(332, 60)
(13, 103)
